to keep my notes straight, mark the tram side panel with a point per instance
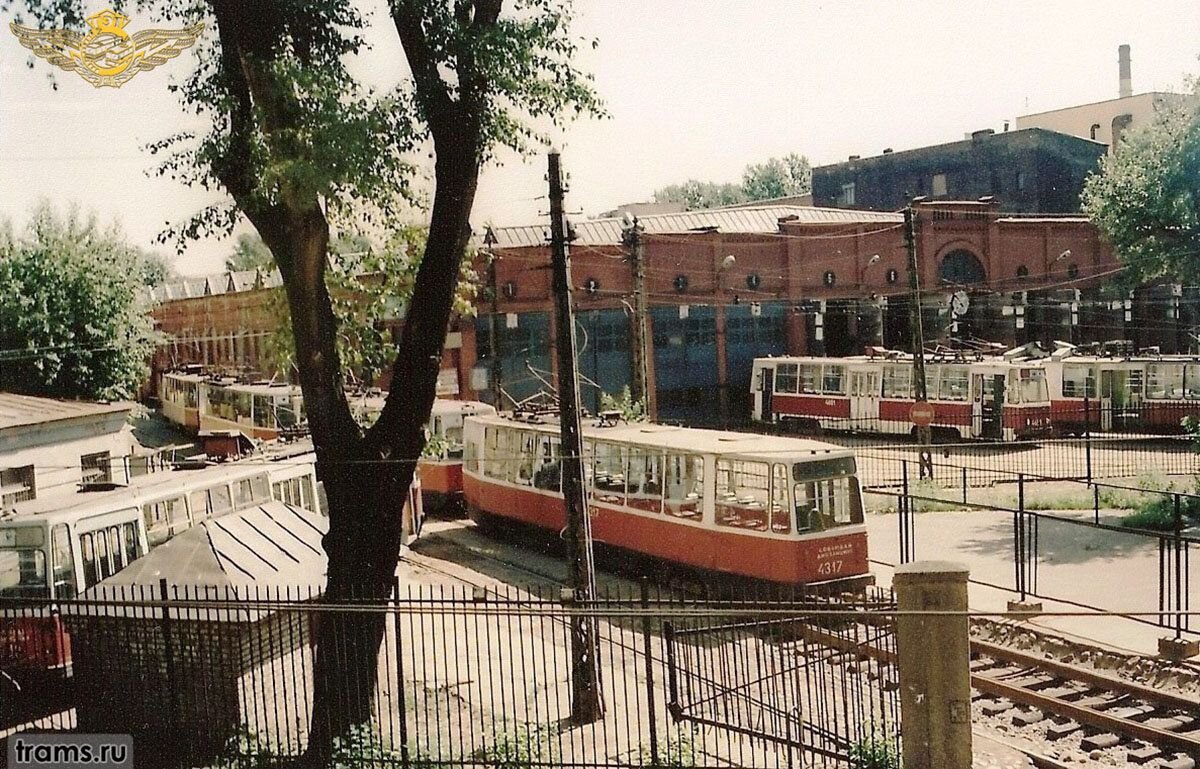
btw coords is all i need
(683, 529)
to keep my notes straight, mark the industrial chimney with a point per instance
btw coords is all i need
(1126, 77)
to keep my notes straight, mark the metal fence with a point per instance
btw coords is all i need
(1089, 458)
(1096, 556)
(469, 676)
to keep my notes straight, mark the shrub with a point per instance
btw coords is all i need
(677, 752)
(875, 752)
(526, 746)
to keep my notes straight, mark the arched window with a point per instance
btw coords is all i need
(961, 267)
(1022, 272)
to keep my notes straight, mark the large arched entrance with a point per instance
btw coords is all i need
(960, 267)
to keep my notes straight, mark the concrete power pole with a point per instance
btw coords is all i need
(640, 352)
(587, 704)
(924, 434)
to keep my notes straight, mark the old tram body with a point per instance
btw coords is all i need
(779, 510)
(1135, 392)
(986, 398)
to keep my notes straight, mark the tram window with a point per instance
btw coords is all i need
(200, 506)
(1030, 386)
(685, 485)
(1078, 382)
(103, 565)
(810, 376)
(64, 564)
(1164, 380)
(264, 411)
(823, 504)
(527, 454)
(1191, 381)
(779, 500)
(608, 473)
(743, 494)
(219, 499)
(259, 488)
(952, 385)
(548, 476)
(115, 551)
(834, 380)
(644, 482)
(168, 516)
(308, 496)
(91, 568)
(897, 382)
(133, 549)
(787, 378)
(491, 448)
(470, 457)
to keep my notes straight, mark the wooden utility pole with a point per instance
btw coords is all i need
(640, 352)
(489, 240)
(924, 434)
(587, 704)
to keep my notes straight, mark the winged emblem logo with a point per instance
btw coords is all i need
(107, 55)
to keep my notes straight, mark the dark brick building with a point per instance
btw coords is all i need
(1027, 171)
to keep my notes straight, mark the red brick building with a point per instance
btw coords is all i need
(802, 280)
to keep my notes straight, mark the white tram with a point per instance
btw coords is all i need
(1125, 390)
(987, 398)
(780, 510)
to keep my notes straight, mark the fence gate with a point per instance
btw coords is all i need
(822, 686)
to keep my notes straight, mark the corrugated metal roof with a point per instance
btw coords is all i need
(20, 410)
(762, 219)
(245, 555)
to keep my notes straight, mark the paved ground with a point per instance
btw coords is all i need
(1113, 571)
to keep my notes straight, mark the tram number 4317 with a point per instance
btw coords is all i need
(829, 567)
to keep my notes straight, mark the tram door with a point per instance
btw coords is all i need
(987, 406)
(766, 388)
(864, 399)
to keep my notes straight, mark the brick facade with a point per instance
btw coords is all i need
(806, 286)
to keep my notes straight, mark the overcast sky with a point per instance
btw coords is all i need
(696, 89)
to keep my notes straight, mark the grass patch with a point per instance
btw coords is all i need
(1158, 514)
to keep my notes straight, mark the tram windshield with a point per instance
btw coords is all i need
(825, 494)
(23, 562)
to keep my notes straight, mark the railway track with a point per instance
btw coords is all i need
(1077, 710)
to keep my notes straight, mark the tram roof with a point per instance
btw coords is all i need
(904, 358)
(66, 503)
(687, 439)
(453, 406)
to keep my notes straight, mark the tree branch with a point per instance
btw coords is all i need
(431, 89)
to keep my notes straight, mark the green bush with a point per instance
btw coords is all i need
(525, 746)
(875, 752)
(677, 752)
(1158, 514)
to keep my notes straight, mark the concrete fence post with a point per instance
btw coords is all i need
(934, 665)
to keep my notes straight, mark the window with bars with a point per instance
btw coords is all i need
(17, 484)
(96, 468)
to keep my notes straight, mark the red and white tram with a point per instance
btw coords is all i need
(54, 547)
(988, 398)
(782, 510)
(1138, 392)
(441, 467)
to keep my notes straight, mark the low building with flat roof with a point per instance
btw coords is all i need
(48, 444)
